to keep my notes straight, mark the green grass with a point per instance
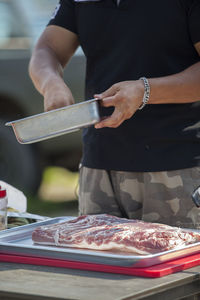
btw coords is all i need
(59, 184)
(35, 205)
(57, 195)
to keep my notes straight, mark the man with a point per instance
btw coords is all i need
(143, 159)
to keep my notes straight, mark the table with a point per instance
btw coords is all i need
(31, 282)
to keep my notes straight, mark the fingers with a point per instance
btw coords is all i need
(57, 97)
(113, 121)
(126, 98)
(113, 97)
(109, 92)
(55, 102)
(110, 96)
(109, 101)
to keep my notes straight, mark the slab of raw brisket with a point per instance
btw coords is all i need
(105, 232)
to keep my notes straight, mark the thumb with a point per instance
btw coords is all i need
(107, 93)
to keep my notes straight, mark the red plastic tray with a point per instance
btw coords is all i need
(154, 271)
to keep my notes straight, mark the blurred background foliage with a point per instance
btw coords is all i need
(57, 195)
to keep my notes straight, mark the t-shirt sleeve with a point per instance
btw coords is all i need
(194, 21)
(64, 15)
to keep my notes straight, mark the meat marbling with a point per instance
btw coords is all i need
(106, 232)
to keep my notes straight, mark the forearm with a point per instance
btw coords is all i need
(45, 69)
(126, 96)
(183, 87)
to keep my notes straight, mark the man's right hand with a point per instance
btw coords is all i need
(57, 95)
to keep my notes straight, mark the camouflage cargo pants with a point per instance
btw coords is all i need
(163, 197)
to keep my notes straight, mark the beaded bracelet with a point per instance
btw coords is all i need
(146, 92)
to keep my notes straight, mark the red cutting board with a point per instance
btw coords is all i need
(154, 271)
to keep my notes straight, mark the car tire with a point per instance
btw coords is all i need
(19, 164)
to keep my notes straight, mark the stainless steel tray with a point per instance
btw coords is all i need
(18, 241)
(56, 122)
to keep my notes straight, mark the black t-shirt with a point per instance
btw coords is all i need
(125, 42)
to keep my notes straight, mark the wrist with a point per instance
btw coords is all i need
(146, 94)
(51, 83)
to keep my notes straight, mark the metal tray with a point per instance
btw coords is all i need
(56, 122)
(18, 241)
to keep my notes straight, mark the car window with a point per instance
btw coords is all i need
(22, 21)
(10, 27)
(37, 14)
(5, 21)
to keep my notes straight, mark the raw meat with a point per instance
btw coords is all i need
(106, 232)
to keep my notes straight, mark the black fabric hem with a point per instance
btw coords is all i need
(138, 169)
(59, 24)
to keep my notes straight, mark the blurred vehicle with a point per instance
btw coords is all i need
(21, 23)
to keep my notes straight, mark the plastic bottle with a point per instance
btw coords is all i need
(3, 209)
(16, 198)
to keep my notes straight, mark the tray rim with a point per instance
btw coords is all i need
(21, 127)
(68, 107)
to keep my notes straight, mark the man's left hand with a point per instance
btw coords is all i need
(126, 97)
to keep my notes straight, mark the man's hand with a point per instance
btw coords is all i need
(126, 97)
(57, 95)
